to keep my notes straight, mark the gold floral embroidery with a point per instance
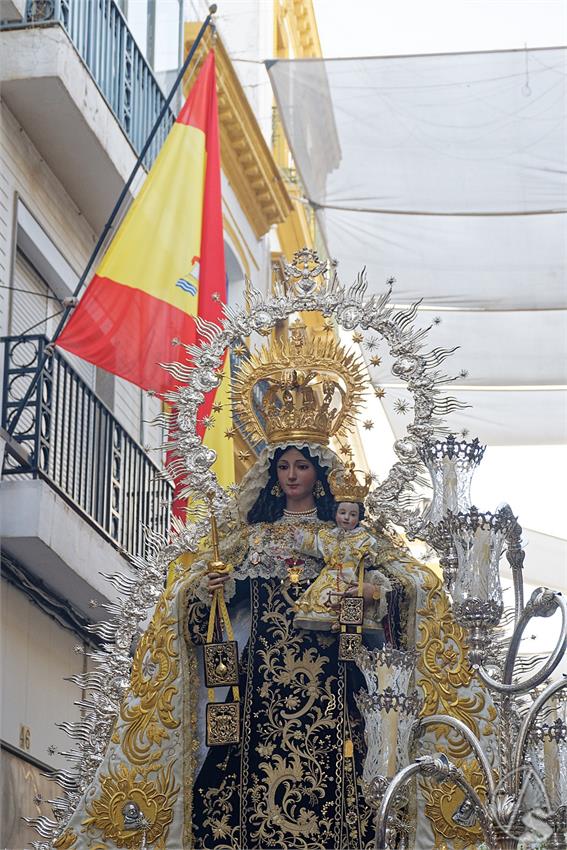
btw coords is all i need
(442, 801)
(289, 786)
(66, 840)
(449, 687)
(139, 771)
(443, 666)
(295, 693)
(218, 802)
(154, 673)
(155, 799)
(190, 679)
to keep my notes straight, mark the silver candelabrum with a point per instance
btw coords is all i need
(525, 772)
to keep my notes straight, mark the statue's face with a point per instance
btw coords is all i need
(296, 474)
(347, 515)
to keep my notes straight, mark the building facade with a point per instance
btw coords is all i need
(82, 84)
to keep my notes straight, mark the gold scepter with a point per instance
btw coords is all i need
(220, 656)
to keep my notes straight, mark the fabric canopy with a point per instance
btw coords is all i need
(449, 172)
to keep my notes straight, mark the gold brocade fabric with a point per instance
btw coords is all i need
(345, 554)
(449, 686)
(288, 783)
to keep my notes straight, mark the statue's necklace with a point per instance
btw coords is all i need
(312, 512)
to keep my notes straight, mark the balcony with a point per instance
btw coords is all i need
(76, 81)
(86, 491)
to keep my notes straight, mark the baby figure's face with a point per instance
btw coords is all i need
(347, 515)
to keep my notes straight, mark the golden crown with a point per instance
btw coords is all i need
(299, 389)
(345, 486)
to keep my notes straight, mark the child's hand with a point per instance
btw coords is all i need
(368, 592)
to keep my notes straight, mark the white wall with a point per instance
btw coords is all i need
(25, 175)
(253, 254)
(247, 31)
(23, 172)
(37, 653)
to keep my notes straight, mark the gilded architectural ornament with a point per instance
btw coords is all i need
(246, 158)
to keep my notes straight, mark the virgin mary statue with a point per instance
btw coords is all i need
(276, 760)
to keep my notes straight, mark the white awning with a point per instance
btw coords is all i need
(449, 172)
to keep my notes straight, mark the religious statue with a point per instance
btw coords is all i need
(290, 583)
(350, 553)
(292, 779)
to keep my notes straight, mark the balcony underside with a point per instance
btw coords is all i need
(53, 96)
(53, 541)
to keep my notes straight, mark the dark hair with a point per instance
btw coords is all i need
(360, 508)
(269, 508)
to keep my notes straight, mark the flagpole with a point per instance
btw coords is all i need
(110, 221)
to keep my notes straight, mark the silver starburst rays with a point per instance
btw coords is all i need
(307, 285)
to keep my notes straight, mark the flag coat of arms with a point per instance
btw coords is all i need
(166, 261)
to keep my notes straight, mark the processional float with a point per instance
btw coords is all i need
(504, 754)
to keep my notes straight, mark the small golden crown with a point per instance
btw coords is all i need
(299, 389)
(345, 486)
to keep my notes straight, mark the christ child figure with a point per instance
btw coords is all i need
(350, 569)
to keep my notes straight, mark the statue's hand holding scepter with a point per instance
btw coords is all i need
(217, 570)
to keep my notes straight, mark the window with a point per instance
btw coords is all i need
(41, 279)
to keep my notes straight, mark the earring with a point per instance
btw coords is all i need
(318, 490)
(276, 489)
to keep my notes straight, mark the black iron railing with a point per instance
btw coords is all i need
(79, 448)
(102, 37)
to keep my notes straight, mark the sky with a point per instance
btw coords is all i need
(392, 27)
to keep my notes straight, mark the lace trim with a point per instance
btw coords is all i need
(276, 567)
(378, 579)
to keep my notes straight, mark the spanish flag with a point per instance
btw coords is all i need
(165, 265)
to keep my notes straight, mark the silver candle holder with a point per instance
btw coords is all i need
(451, 464)
(390, 711)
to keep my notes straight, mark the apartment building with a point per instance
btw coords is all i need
(83, 82)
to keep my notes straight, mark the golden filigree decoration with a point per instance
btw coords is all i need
(312, 389)
(154, 797)
(346, 485)
(443, 667)
(148, 713)
(66, 840)
(449, 686)
(442, 801)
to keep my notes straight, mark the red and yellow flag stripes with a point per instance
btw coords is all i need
(166, 261)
